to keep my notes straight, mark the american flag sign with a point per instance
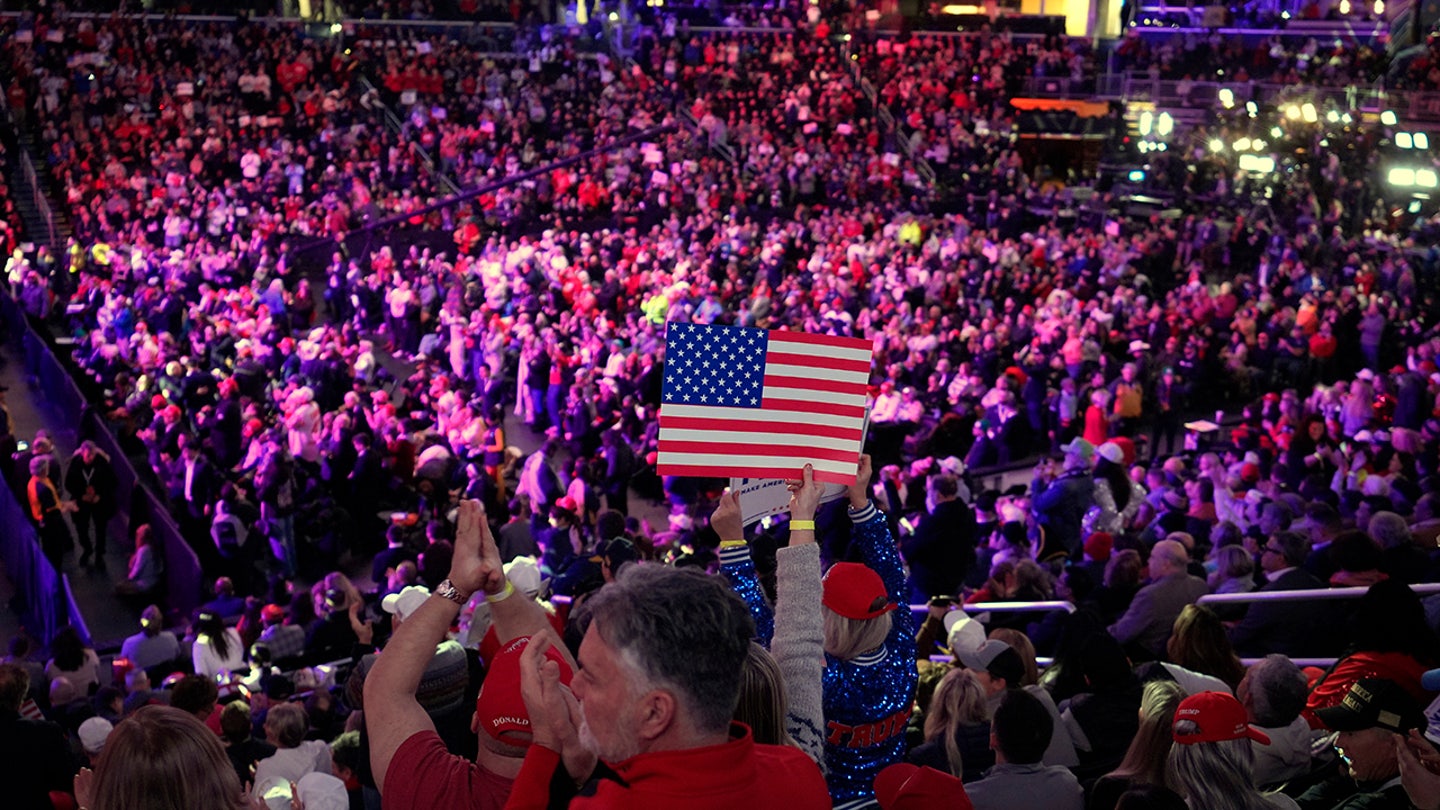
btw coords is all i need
(761, 403)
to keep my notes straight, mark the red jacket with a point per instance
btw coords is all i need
(735, 774)
(1392, 666)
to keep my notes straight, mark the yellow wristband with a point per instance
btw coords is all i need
(731, 543)
(802, 525)
(503, 595)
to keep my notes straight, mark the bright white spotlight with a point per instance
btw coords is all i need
(1252, 108)
(1332, 117)
(1227, 97)
(1242, 145)
(1292, 111)
(1217, 145)
(1389, 118)
(1165, 125)
(1403, 140)
(1276, 132)
(1308, 111)
(1379, 8)
(1426, 178)
(1422, 141)
(1259, 164)
(1137, 176)
(1258, 145)
(1147, 123)
(1345, 7)
(1401, 176)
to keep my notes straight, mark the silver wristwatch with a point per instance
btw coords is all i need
(447, 590)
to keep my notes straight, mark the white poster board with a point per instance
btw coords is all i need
(762, 497)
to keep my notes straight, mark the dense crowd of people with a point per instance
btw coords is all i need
(301, 419)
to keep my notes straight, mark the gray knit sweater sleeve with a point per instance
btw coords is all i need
(799, 646)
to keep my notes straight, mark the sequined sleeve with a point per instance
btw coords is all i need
(868, 698)
(737, 567)
(871, 535)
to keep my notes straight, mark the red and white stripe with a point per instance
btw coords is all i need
(812, 411)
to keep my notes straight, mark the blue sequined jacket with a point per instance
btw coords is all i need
(867, 699)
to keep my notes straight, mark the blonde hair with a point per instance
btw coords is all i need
(336, 580)
(763, 702)
(1145, 759)
(959, 701)
(162, 758)
(1232, 562)
(1215, 775)
(847, 638)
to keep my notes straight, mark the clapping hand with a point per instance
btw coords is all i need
(476, 565)
(85, 787)
(555, 715)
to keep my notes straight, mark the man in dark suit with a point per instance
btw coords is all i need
(1288, 628)
(199, 488)
(226, 423)
(364, 489)
(367, 474)
(390, 557)
(90, 481)
(490, 389)
(200, 485)
(941, 550)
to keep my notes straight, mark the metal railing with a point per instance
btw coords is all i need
(1040, 661)
(1043, 662)
(395, 125)
(1141, 86)
(1305, 595)
(887, 119)
(33, 189)
(316, 21)
(41, 203)
(1005, 607)
(1323, 663)
(1293, 28)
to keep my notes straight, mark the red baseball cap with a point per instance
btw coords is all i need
(1217, 717)
(903, 786)
(855, 592)
(1099, 545)
(272, 613)
(500, 706)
